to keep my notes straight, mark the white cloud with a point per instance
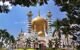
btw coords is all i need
(1, 3)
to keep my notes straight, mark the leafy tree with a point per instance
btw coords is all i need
(78, 47)
(12, 39)
(64, 26)
(57, 26)
(5, 8)
(5, 38)
(72, 8)
(50, 43)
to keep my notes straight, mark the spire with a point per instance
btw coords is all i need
(39, 13)
(21, 33)
(21, 30)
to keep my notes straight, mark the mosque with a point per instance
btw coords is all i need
(39, 29)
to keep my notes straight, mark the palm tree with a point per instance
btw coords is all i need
(67, 30)
(56, 24)
(72, 8)
(5, 37)
(66, 33)
(12, 41)
(64, 26)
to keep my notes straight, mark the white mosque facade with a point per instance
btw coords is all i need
(38, 33)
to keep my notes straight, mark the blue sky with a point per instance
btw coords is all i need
(17, 17)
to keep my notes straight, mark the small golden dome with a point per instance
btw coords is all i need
(41, 34)
(39, 24)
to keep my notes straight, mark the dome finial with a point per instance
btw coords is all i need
(30, 14)
(39, 13)
(49, 14)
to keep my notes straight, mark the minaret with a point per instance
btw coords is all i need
(49, 22)
(29, 14)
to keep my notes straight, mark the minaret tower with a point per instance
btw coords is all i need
(29, 14)
(49, 14)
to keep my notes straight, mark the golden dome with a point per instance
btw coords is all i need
(39, 24)
(41, 33)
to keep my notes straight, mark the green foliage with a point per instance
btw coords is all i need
(25, 49)
(78, 47)
(72, 7)
(49, 49)
(3, 49)
(50, 44)
(6, 37)
(29, 2)
(26, 3)
(12, 39)
(56, 24)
